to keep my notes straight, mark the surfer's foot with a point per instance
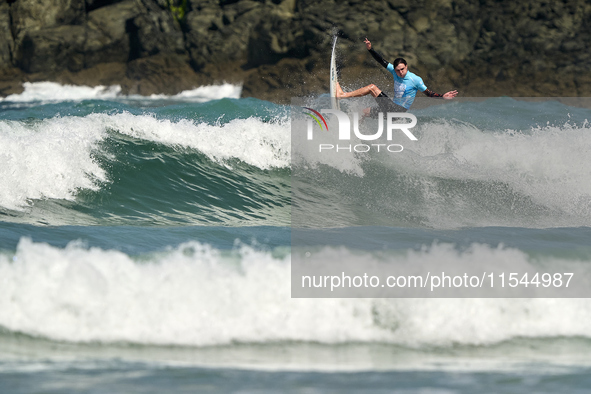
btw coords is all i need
(340, 92)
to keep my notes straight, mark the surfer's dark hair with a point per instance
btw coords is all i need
(398, 61)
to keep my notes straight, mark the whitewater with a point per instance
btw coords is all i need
(148, 241)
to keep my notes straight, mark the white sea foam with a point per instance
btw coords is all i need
(47, 159)
(550, 159)
(197, 295)
(251, 140)
(307, 153)
(205, 93)
(545, 168)
(52, 91)
(55, 92)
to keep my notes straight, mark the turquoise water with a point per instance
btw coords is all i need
(145, 245)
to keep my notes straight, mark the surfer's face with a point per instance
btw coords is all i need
(401, 70)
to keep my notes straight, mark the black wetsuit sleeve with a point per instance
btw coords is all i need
(432, 94)
(379, 58)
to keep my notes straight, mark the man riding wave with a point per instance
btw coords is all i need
(406, 85)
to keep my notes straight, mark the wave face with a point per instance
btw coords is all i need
(156, 168)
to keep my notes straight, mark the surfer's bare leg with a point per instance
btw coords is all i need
(364, 91)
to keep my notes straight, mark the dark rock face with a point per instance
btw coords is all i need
(154, 31)
(107, 38)
(51, 49)
(218, 32)
(5, 37)
(30, 15)
(41, 31)
(280, 48)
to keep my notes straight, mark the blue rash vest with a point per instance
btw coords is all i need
(405, 89)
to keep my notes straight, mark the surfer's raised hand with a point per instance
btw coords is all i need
(367, 43)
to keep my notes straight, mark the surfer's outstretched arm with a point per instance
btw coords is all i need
(448, 95)
(376, 55)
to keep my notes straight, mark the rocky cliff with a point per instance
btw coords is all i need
(281, 48)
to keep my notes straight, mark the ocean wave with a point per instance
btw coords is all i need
(126, 169)
(196, 295)
(257, 143)
(456, 175)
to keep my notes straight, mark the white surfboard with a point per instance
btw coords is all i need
(333, 77)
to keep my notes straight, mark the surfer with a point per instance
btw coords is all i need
(406, 85)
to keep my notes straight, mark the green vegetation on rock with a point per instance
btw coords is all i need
(178, 8)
